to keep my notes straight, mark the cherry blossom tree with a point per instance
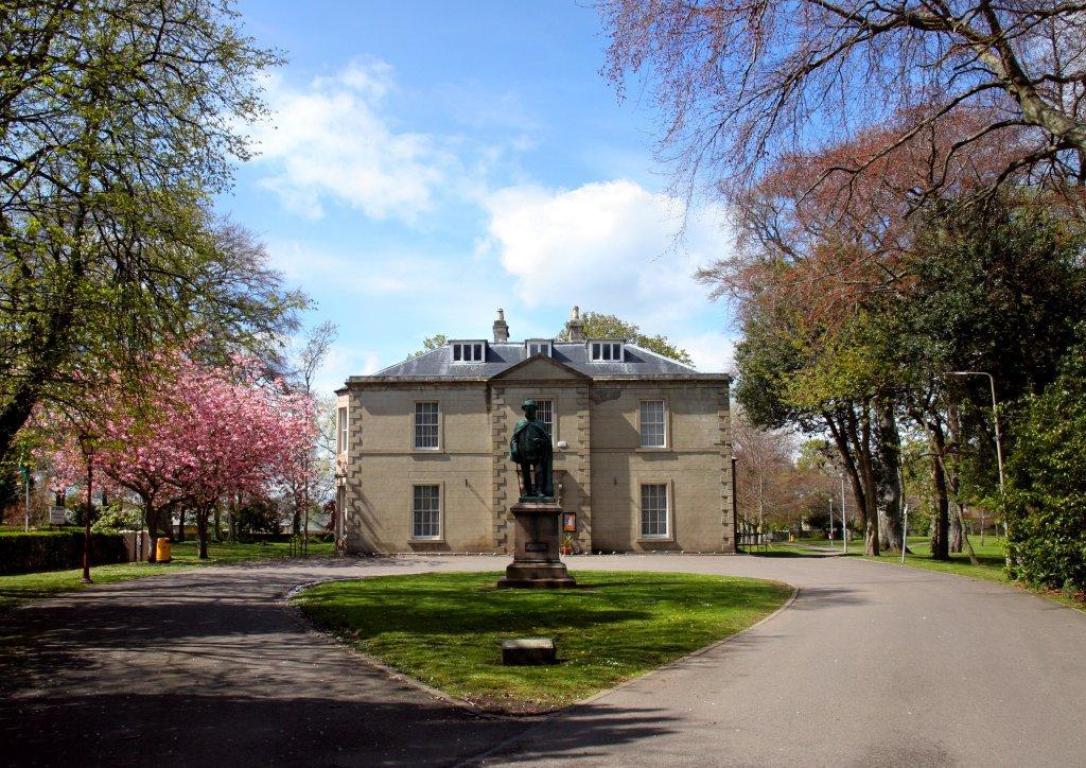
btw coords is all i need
(227, 433)
(210, 432)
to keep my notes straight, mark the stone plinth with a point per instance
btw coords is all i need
(535, 557)
(528, 651)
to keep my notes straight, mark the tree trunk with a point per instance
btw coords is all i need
(843, 426)
(863, 442)
(235, 503)
(202, 515)
(151, 514)
(88, 514)
(951, 464)
(940, 522)
(955, 544)
(17, 409)
(181, 524)
(217, 524)
(889, 448)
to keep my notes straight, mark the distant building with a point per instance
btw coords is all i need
(642, 452)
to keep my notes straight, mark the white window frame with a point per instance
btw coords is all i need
(416, 425)
(664, 426)
(440, 522)
(554, 416)
(666, 535)
(543, 347)
(341, 431)
(606, 351)
(468, 352)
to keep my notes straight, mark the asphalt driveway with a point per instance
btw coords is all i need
(872, 665)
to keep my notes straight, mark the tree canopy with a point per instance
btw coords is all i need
(430, 343)
(118, 121)
(742, 84)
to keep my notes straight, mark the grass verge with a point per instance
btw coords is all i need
(446, 629)
(29, 586)
(989, 566)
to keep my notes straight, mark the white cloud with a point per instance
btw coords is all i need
(609, 246)
(330, 141)
(710, 351)
(343, 360)
(365, 273)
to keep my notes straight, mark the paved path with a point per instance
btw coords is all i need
(873, 665)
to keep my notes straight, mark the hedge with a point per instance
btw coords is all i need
(1047, 503)
(32, 551)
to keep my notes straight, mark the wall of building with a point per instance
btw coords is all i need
(695, 465)
(384, 467)
(601, 468)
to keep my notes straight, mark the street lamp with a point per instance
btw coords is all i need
(998, 443)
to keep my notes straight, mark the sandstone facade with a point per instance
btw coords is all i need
(394, 478)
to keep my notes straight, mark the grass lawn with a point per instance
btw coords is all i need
(989, 567)
(27, 586)
(446, 629)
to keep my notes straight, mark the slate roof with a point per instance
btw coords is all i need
(437, 365)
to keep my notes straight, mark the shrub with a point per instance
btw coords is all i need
(259, 516)
(1047, 503)
(28, 552)
(113, 519)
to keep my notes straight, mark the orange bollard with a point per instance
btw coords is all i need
(163, 552)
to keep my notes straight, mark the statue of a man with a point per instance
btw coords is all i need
(531, 449)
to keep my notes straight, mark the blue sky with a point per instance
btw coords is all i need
(428, 162)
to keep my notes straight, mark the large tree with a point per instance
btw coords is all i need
(741, 83)
(118, 121)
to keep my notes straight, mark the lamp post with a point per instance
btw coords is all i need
(87, 447)
(998, 444)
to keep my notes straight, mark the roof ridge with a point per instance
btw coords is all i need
(427, 353)
(662, 357)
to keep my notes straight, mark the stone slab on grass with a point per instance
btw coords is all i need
(526, 651)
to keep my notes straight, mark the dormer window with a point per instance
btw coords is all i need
(606, 351)
(469, 351)
(539, 347)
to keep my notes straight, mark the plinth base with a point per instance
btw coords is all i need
(535, 557)
(538, 575)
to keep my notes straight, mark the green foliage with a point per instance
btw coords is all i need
(430, 343)
(54, 550)
(119, 121)
(259, 516)
(598, 325)
(1047, 504)
(113, 518)
(767, 358)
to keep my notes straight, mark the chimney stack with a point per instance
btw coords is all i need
(501, 328)
(575, 326)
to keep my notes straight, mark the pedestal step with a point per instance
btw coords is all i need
(551, 575)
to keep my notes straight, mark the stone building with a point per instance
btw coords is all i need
(642, 450)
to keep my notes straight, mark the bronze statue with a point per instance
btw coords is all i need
(531, 449)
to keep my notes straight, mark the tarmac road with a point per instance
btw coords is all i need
(871, 665)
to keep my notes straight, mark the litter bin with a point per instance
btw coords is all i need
(162, 550)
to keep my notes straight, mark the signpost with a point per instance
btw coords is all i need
(26, 487)
(844, 519)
